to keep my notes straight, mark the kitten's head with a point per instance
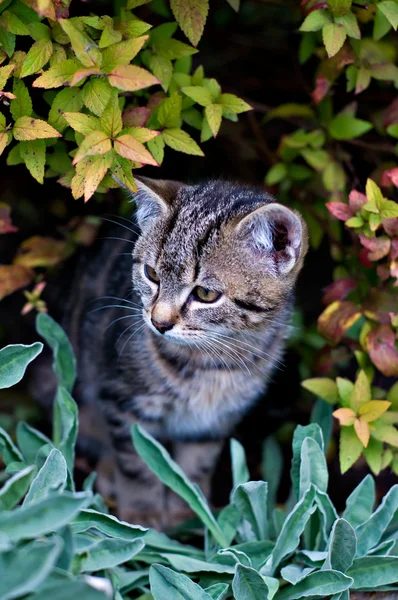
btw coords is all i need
(214, 257)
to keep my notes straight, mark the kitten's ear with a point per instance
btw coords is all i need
(154, 199)
(276, 233)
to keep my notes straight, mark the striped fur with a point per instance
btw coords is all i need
(190, 386)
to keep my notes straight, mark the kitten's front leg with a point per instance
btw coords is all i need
(198, 460)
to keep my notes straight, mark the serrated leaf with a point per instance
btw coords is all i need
(14, 24)
(5, 73)
(95, 172)
(13, 362)
(156, 147)
(214, 116)
(345, 127)
(22, 105)
(169, 112)
(350, 448)
(85, 49)
(27, 128)
(96, 95)
(131, 78)
(122, 173)
(97, 142)
(389, 8)
(68, 99)
(346, 416)
(373, 409)
(350, 24)
(323, 387)
(361, 392)
(199, 94)
(37, 57)
(191, 16)
(129, 147)
(339, 7)
(7, 42)
(81, 74)
(373, 454)
(122, 53)
(81, 123)
(109, 36)
(334, 36)
(172, 49)
(233, 104)
(162, 68)
(111, 118)
(33, 153)
(58, 75)
(315, 20)
(181, 141)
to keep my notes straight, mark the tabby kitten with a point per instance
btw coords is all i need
(191, 348)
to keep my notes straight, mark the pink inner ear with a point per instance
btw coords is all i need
(280, 236)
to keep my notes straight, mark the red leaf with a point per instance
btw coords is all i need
(391, 114)
(378, 247)
(394, 249)
(336, 319)
(382, 350)
(322, 86)
(364, 259)
(383, 272)
(136, 117)
(340, 210)
(338, 290)
(356, 200)
(391, 226)
(5, 220)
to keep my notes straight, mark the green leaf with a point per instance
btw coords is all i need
(108, 553)
(233, 104)
(334, 36)
(191, 16)
(350, 24)
(370, 532)
(373, 454)
(339, 7)
(218, 591)
(111, 118)
(389, 8)
(320, 584)
(85, 49)
(14, 23)
(162, 68)
(30, 441)
(49, 514)
(64, 364)
(323, 388)
(33, 153)
(160, 462)
(345, 388)
(67, 100)
(13, 362)
(240, 471)
(37, 57)
(315, 20)
(8, 450)
(7, 42)
(313, 467)
(345, 127)
(276, 174)
(15, 488)
(371, 572)
(122, 54)
(57, 75)
(251, 500)
(172, 49)
(81, 123)
(342, 547)
(248, 584)
(213, 114)
(169, 585)
(293, 527)
(22, 104)
(360, 503)
(272, 468)
(361, 392)
(300, 433)
(156, 147)
(199, 94)
(96, 95)
(65, 425)
(73, 589)
(189, 564)
(322, 415)
(106, 524)
(181, 141)
(36, 561)
(51, 478)
(169, 112)
(350, 448)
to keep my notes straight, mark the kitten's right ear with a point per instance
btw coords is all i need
(154, 199)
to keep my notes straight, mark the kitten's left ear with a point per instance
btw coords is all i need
(154, 199)
(277, 234)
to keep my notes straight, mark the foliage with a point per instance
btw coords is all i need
(68, 543)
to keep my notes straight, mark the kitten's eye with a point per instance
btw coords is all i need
(205, 295)
(151, 274)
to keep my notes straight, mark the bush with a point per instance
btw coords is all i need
(62, 542)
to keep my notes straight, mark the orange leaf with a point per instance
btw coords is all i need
(82, 73)
(362, 430)
(128, 147)
(39, 251)
(13, 277)
(346, 416)
(96, 142)
(372, 410)
(130, 78)
(336, 319)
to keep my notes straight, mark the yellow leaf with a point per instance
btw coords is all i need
(3, 140)
(128, 147)
(5, 72)
(96, 142)
(361, 392)
(82, 73)
(214, 116)
(123, 53)
(372, 410)
(39, 251)
(95, 172)
(26, 128)
(362, 430)
(346, 416)
(142, 134)
(37, 57)
(130, 78)
(84, 47)
(191, 16)
(82, 123)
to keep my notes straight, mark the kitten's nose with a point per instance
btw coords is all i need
(162, 326)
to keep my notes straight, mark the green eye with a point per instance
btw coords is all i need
(151, 274)
(205, 295)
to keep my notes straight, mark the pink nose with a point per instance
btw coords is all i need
(162, 326)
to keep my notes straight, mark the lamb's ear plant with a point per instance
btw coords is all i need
(56, 542)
